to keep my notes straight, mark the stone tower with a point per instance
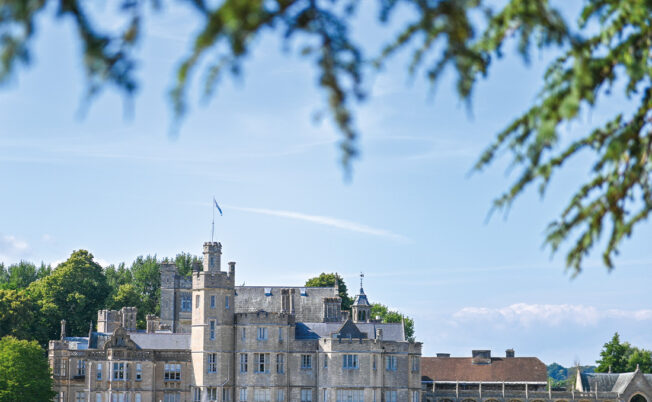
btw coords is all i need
(212, 335)
(361, 309)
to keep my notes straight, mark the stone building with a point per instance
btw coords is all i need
(216, 341)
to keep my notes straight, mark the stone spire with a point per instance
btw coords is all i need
(63, 329)
(361, 308)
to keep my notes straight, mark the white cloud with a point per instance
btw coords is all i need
(10, 245)
(325, 220)
(548, 314)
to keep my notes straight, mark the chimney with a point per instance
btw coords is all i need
(481, 356)
(444, 355)
(152, 323)
(63, 329)
(509, 353)
(379, 334)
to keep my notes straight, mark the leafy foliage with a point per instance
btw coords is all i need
(185, 262)
(24, 371)
(74, 291)
(19, 316)
(609, 43)
(623, 357)
(325, 280)
(387, 315)
(19, 276)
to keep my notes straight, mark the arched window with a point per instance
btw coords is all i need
(638, 398)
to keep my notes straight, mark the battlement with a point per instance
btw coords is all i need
(213, 280)
(109, 320)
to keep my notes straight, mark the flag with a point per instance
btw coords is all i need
(217, 206)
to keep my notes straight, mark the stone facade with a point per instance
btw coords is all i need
(216, 341)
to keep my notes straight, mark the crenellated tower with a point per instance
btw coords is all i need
(212, 334)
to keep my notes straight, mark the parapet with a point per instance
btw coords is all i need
(213, 280)
(265, 317)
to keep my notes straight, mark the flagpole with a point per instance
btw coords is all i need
(213, 224)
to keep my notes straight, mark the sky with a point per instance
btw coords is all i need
(414, 218)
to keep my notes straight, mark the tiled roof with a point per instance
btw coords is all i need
(512, 369)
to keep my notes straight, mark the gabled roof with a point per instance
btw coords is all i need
(501, 369)
(609, 382)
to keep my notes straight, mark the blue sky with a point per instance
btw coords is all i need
(412, 218)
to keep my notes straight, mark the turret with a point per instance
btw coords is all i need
(361, 309)
(212, 256)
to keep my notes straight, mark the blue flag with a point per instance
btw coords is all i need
(218, 207)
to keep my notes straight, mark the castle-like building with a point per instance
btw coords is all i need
(215, 341)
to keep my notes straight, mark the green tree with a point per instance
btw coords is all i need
(614, 356)
(185, 261)
(24, 371)
(19, 276)
(74, 291)
(20, 316)
(387, 315)
(607, 43)
(325, 280)
(146, 272)
(641, 359)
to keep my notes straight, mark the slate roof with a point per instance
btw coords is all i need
(361, 299)
(606, 382)
(317, 330)
(501, 369)
(161, 341)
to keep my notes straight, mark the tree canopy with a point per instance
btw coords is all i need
(24, 371)
(328, 281)
(621, 357)
(608, 43)
(74, 291)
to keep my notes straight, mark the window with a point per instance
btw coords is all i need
(280, 334)
(243, 362)
(325, 361)
(350, 395)
(139, 372)
(373, 362)
(415, 396)
(350, 362)
(196, 395)
(212, 301)
(306, 395)
(186, 302)
(80, 396)
(211, 394)
(212, 362)
(325, 394)
(98, 375)
(262, 395)
(172, 372)
(415, 364)
(306, 361)
(390, 363)
(171, 397)
(261, 361)
(81, 368)
(303, 292)
(98, 397)
(226, 302)
(243, 394)
(262, 334)
(280, 363)
(62, 397)
(243, 334)
(118, 371)
(226, 394)
(211, 334)
(390, 396)
(138, 398)
(280, 395)
(197, 301)
(59, 367)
